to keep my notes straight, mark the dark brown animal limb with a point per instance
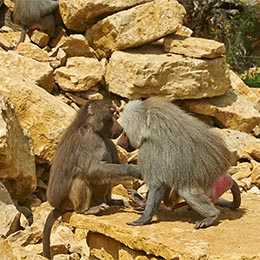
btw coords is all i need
(53, 216)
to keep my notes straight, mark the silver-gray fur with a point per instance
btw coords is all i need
(35, 15)
(176, 152)
(27, 12)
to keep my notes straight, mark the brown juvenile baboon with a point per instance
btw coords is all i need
(85, 162)
(179, 156)
(35, 15)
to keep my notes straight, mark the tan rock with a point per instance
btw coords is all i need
(9, 40)
(134, 75)
(194, 47)
(77, 15)
(18, 171)
(40, 113)
(241, 89)
(31, 235)
(76, 45)
(10, 251)
(39, 73)
(40, 38)
(66, 257)
(184, 31)
(229, 111)
(254, 190)
(120, 190)
(10, 216)
(80, 74)
(79, 243)
(32, 51)
(58, 58)
(174, 236)
(136, 26)
(256, 175)
(246, 145)
(241, 171)
(61, 239)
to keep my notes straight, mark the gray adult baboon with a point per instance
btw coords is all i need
(35, 15)
(178, 156)
(85, 162)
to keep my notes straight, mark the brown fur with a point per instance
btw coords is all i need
(85, 162)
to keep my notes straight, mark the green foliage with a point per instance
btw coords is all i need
(238, 33)
(243, 30)
(252, 78)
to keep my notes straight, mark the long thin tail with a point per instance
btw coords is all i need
(53, 216)
(236, 198)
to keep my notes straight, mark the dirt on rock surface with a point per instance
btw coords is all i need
(172, 234)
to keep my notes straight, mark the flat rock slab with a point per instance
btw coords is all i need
(172, 234)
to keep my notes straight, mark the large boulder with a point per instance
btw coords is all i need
(136, 26)
(135, 75)
(77, 15)
(16, 152)
(40, 113)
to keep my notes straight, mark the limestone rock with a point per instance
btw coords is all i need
(76, 45)
(58, 58)
(79, 243)
(10, 216)
(40, 113)
(10, 251)
(67, 257)
(241, 89)
(39, 73)
(229, 111)
(31, 235)
(80, 74)
(32, 51)
(134, 75)
(174, 236)
(136, 26)
(241, 171)
(246, 145)
(16, 151)
(237, 109)
(254, 190)
(194, 47)
(40, 38)
(78, 14)
(256, 175)
(9, 40)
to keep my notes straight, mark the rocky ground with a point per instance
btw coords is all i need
(172, 234)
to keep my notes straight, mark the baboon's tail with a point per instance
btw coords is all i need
(53, 216)
(236, 198)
